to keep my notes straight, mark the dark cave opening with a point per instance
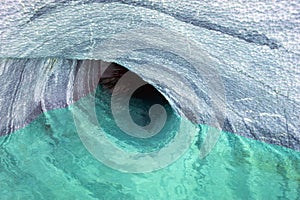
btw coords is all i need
(142, 99)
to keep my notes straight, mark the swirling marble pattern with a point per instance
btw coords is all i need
(254, 47)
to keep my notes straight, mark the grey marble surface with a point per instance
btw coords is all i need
(252, 47)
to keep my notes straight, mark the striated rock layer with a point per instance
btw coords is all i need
(233, 65)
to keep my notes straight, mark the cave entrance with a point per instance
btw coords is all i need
(141, 100)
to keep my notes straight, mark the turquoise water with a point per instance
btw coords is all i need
(47, 160)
